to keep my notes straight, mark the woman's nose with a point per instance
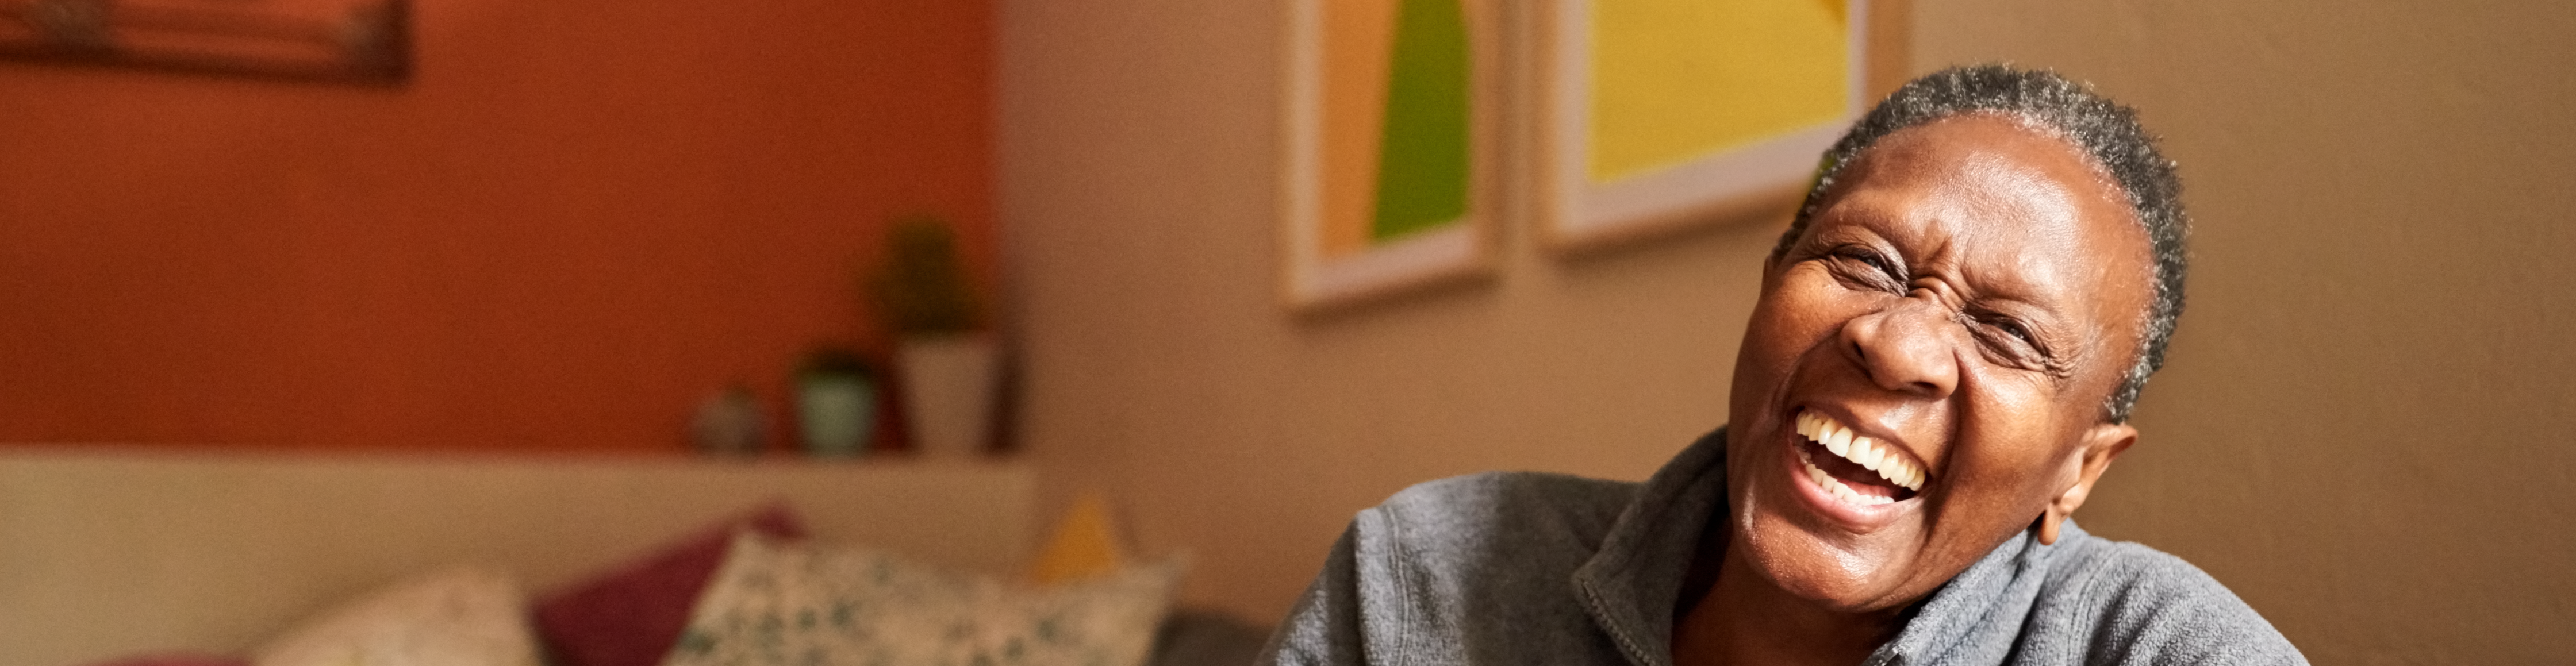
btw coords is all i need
(1910, 347)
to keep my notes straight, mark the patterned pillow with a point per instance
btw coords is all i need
(776, 604)
(460, 617)
(632, 614)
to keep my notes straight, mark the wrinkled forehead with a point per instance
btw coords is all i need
(1983, 139)
(2019, 208)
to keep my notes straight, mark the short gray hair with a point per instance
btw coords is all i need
(2104, 130)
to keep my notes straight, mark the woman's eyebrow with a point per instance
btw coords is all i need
(1861, 208)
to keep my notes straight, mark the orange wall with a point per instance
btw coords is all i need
(579, 218)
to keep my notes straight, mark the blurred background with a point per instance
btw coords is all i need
(578, 218)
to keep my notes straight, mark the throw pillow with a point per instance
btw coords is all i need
(632, 615)
(777, 604)
(460, 617)
(1085, 545)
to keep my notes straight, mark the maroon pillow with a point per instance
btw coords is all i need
(175, 659)
(632, 615)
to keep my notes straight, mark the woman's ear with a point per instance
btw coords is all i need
(2101, 444)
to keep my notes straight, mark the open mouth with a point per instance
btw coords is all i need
(1855, 468)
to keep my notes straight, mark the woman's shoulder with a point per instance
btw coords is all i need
(1493, 504)
(2137, 604)
(1480, 523)
(1476, 568)
(1514, 493)
(2117, 573)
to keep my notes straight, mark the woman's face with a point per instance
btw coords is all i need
(1926, 370)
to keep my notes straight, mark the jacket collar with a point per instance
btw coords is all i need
(1633, 583)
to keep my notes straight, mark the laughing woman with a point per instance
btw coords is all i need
(1941, 365)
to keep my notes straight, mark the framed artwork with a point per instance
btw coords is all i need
(1389, 155)
(1658, 116)
(356, 41)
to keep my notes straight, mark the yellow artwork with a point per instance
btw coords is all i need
(1659, 115)
(1677, 79)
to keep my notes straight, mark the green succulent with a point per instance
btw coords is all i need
(923, 288)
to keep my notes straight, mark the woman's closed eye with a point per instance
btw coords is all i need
(2011, 342)
(1867, 268)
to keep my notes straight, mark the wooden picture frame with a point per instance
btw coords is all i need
(1389, 148)
(1638, 188)
(341, 41)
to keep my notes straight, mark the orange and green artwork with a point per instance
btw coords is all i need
(1396, 146)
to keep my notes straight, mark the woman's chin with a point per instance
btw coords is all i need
(1840, 574)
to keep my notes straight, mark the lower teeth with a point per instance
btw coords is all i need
(1835, 486)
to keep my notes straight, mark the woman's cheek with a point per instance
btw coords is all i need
(2016, 410)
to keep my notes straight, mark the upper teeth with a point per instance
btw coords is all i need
(1890, 464)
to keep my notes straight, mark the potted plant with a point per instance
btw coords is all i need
(836, 402)
(729, 423)
(945, 363)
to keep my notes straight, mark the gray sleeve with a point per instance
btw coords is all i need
(1324, 627)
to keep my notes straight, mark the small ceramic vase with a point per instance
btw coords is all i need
(839, 412)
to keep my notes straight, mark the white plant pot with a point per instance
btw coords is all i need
(948, 385)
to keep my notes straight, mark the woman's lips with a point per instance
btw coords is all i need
(1847, 486)
(1885, 466)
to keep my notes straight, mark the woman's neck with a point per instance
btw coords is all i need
(1743, 619)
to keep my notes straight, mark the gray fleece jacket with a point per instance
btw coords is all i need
(1521, 568)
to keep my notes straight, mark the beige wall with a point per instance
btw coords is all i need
(2355, 433)
(114, 550)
